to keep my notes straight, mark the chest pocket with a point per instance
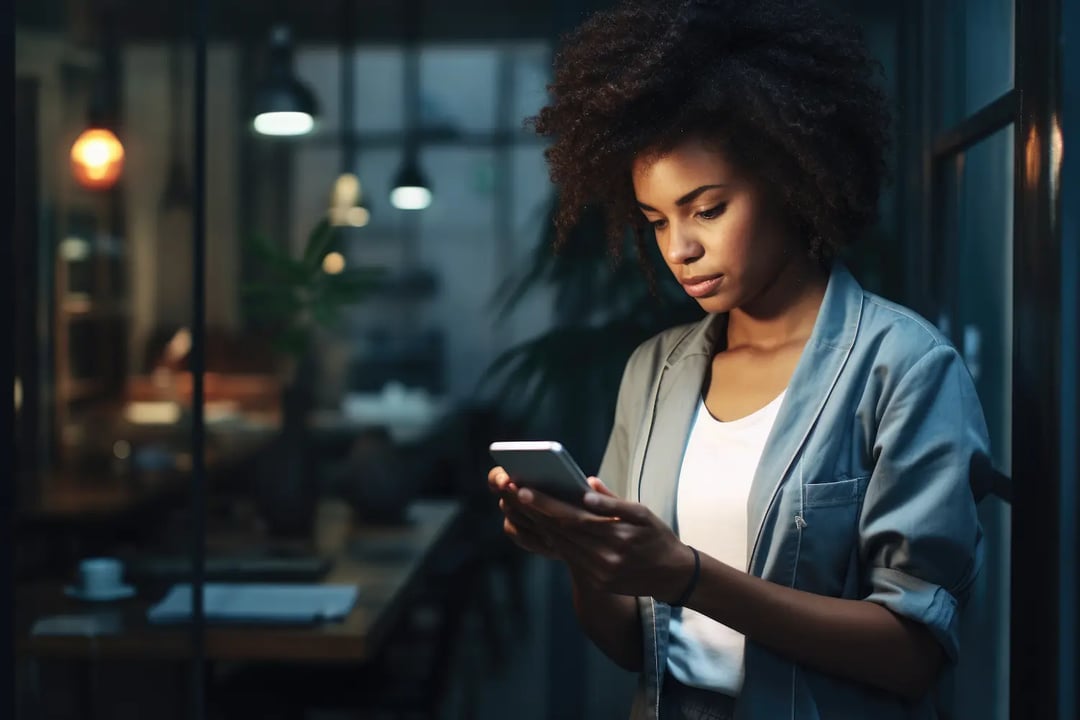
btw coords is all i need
(828, 533)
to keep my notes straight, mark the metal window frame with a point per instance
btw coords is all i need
(1040, 656)
(1037, 681)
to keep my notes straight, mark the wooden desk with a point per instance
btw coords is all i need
(384, 562)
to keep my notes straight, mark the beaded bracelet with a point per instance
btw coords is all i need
(685, 597)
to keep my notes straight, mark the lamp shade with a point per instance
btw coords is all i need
(97, 158)
(283, 105)
(411, 189)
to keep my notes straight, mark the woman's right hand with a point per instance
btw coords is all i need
(523, 531)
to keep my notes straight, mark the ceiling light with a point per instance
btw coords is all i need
(411, 190)
(283, 105)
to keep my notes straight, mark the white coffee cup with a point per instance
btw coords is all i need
(99, 575)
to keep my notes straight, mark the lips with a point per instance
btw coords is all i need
(701, 285)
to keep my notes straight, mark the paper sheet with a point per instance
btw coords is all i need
(258, 603)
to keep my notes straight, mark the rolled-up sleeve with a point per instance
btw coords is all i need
(920, 540)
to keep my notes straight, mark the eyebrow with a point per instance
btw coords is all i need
(687, 198)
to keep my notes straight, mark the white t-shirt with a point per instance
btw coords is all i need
(714, 486)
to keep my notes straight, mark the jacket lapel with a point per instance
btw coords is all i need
(815, 376)
(674, 401)
(677, 391)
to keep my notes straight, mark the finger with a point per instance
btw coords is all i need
(519, 518)
(613, 507)
(526, 540)
(497, 479)
(540, 503)
(553, 545)
(598, 485)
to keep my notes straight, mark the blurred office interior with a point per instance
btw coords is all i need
(377, 301)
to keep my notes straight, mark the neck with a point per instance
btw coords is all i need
(784, 311)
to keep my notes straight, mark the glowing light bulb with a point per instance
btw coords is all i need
(410, 197)
(97, 159)
(333, 263)
(284, 124)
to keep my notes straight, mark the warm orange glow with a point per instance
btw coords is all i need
(1032, 157)
(97, 158)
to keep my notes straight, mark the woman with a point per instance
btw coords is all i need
(790, 528)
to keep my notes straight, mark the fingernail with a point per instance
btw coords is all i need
(592, 498)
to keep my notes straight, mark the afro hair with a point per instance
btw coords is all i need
(786, 89)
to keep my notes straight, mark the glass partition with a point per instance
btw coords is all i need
(975, 282)
(106, 306)
(975, 55)
(344, 350)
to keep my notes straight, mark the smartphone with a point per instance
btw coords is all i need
(542, 465)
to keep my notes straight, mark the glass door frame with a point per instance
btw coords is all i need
(1038, 682)
(1043, 549)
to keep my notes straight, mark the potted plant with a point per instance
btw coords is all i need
(294, 298)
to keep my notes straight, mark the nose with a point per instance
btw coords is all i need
(682, 246)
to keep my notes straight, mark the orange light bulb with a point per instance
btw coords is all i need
(97, 159)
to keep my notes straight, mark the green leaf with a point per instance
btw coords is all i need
(320, 239)
(326, 314)
(276, 261)
(293, 340)
(269, 300)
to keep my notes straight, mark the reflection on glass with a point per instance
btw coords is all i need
(981, 215)
(975, 46)
(286, 425)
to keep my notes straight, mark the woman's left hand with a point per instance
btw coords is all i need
(634, 553)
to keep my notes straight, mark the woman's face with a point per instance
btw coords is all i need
(719, 237)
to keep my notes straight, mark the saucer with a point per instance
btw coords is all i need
(118, 592)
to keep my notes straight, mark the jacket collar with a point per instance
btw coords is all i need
(835, 325)
(679, 387)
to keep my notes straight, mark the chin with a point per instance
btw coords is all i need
(714, 304)
(721, 301)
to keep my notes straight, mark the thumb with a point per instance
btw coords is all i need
(596, 484)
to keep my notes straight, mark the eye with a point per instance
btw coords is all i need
(658, 224)
(713, 212)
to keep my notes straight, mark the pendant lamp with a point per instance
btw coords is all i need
(97, 155)
(411, 189)
(97, 158)
(284, 106)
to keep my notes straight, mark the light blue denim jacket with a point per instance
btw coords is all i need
(866, 488)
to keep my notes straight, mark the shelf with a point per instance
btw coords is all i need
(76, 305)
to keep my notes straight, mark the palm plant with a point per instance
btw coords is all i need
(294, 298)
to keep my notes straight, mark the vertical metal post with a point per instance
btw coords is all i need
(1037, 540)
(198, 358)
(7, 378)
(1066, 176)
